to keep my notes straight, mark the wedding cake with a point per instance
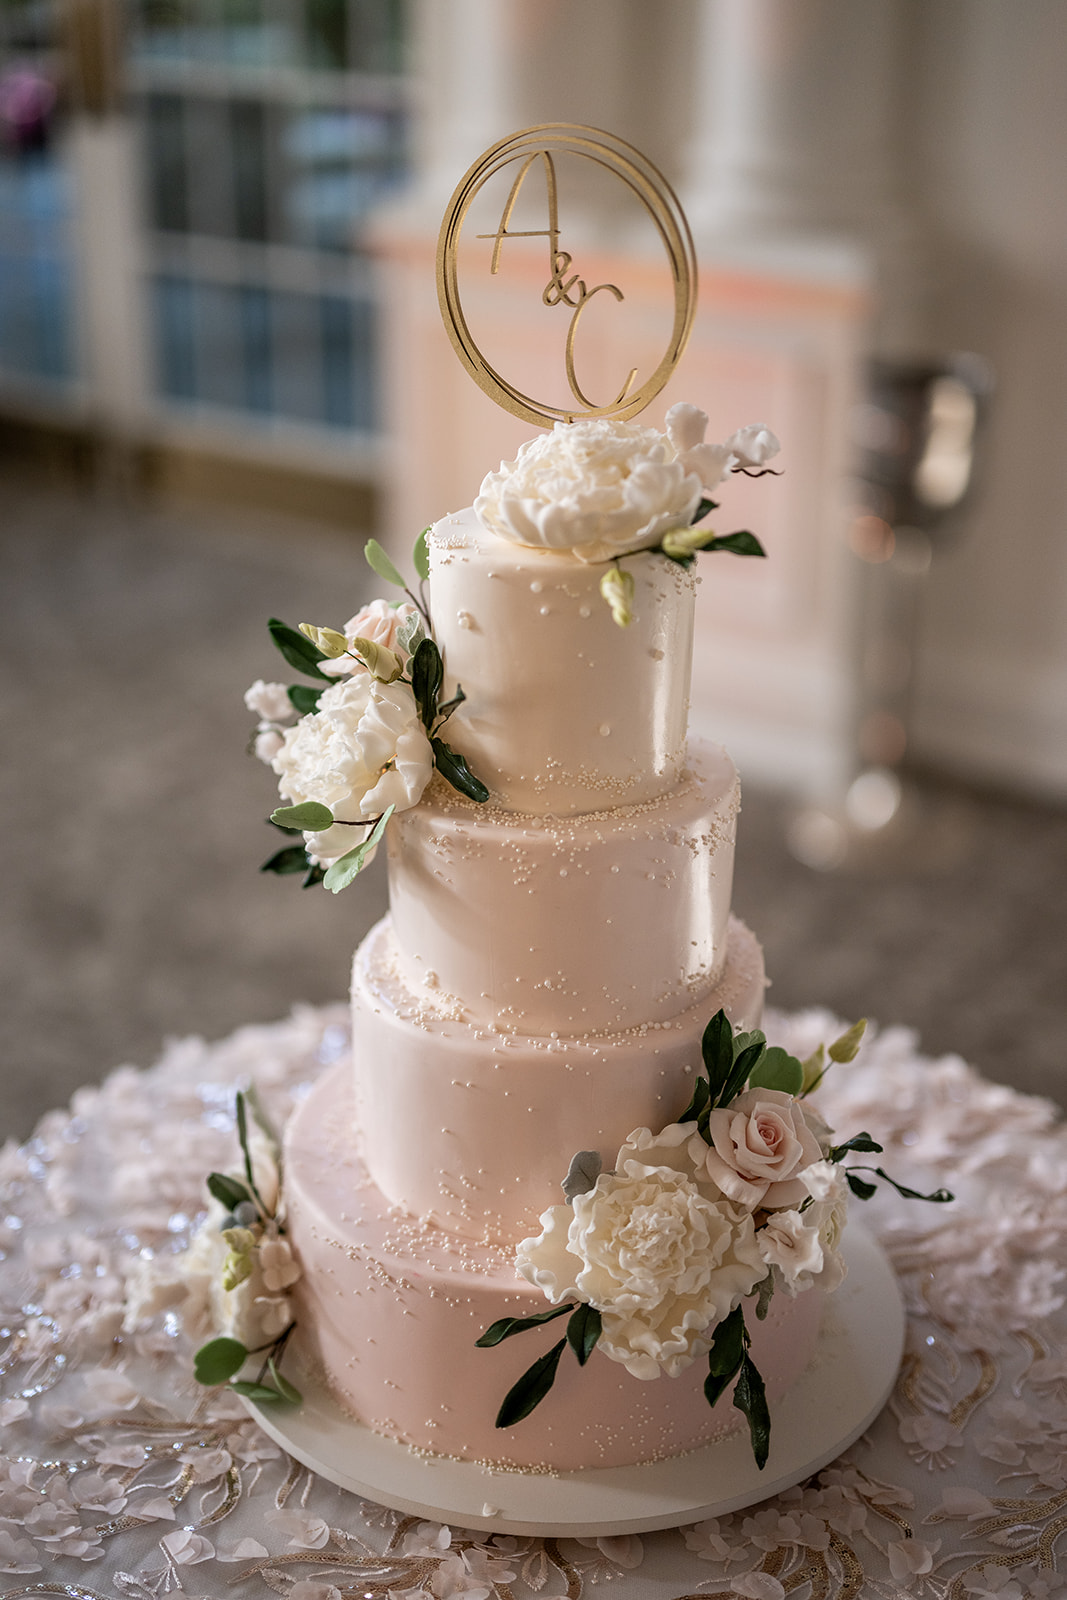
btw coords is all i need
(542, 986)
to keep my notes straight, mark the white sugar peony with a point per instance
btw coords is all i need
(379, 621)
(601, 488)
(364, 749)
(655, 1248)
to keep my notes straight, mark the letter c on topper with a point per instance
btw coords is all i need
(535, 150)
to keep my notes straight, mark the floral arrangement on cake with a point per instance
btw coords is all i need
(743, 1197)
(363, 739)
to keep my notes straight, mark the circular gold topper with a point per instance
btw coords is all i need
(539, 147)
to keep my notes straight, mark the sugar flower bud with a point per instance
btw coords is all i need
(380, 662)
(239, 1263)
(617, 587)
(682, 542)
(328, 640)
(270, 701)
(845, 1048)
(814, 1068)
(753, 445)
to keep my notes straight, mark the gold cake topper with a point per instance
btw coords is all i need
(539, 147)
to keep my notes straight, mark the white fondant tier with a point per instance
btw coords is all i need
(566, 711)
(390, 1308)
(472, 1128)
(568, 924)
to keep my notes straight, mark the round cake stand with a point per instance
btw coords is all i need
(838, 1396)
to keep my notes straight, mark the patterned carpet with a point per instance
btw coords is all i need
(134, 910)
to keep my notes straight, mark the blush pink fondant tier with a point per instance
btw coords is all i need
(472, 1127)
(577, 924)
(565, 712)
(389, 1309)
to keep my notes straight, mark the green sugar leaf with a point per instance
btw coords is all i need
(380, 563)
(420, 556)
(342, 872)
(764, 1291)
(860, 1141)
(427, 673)
(303, 699)
(315, 875)
(700, 1104)
(454, 769)
(309, 815)
(531, 1388)
(750, 1397)
(717, 1047)
(297, 650)
(286, 1390)
(229, 1192)
(741, 543)
(510, 1325)
(703, 507)
(777, 1069)
(256, 1391)
(583, 1331)
(743, 1066)
(725, 1355)
(218, 1360)
(939, 1196)
(290, 858)
(860, 1187)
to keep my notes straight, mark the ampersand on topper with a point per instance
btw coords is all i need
(539, 146)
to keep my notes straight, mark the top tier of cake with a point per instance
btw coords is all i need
(566, 712)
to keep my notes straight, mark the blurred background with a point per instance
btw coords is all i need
(222, 367)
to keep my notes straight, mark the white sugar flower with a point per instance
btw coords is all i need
(655, 1248)
(268, 742)
(788, 1242)
(364, 749)
(270, 701)
(754, 445)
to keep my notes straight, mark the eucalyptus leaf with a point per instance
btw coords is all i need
(218, 1360)
(531, 1388)
(303, 699)
(309, 816)
(290, 858)
(297, 650)
(427, 674)
(341, 873)
(420, 556)
(764, 1292)
(380, 563)
(286, 1390)
(777, 1069)
(454, 769)
(256, 1391)
(741, 543)
(507, 1326)
(750, 1397)
(583, 1331)
(582, 1174)
(229, 1192)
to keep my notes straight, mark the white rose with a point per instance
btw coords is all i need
(791, 1244)
(361, 751)
(760, 1145)
(595, 487)
(270, 701)
(379, 621)
(661, 1256)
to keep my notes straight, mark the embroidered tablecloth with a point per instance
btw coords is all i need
(120, 1477)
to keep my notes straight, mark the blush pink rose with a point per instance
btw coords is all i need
(759, 1146)
(378, 621)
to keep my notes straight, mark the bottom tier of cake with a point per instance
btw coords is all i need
(390, 1306)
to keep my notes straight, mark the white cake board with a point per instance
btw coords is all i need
(835, 1400)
